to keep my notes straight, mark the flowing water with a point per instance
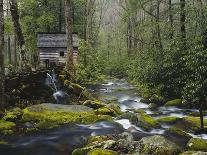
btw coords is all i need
(63, 140)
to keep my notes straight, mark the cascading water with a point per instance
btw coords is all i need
(60, 96)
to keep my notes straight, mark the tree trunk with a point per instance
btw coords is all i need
(60, 16)
(1, 55)
(182, 23)
(69, 25)
(18, 32)
(171, 19)
(201, 116)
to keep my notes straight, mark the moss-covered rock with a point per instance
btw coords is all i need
(190, 124)
(94, 104)
(105, 111)
(196, 144)
(147, 122)
(174, 103)
(97, 139)
(178, 136)
(193, 153)
(157, 145)
(6, 127)
(169, 119)
(48, 119)
(13, 115)
(102, 152)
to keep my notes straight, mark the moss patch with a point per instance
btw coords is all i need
(6, 127)
(102, 152)
(13, 115)
(190, 124)
(94, 104)
(170, 119)
(97, 139)
(47, 119)
(147, 122)
(176, 103)
(179, 132)
(196, 144)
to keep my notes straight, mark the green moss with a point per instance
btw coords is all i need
(102, 152)
(13, 115)
(191, 123)
(80, 151)
(147, 122)
(6, 127)
(176, 102)
(105, 111)
(169, 119)
(97, 139)
(196, 144)
(48, 119)
(94, 104)
(3, 143)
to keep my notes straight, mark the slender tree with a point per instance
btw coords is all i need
(1, 54)
(18, 32)
(69, 31)
(182, 23)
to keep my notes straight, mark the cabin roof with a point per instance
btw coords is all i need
(53, 40)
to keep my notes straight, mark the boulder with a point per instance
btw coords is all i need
(169, 119)
(59, 107)
(178, 136)
(196, 144)
(157, 145)
(146, 122)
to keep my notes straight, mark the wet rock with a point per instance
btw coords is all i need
(196, 144)
(178, 136)
(145, 101)
(157, 145)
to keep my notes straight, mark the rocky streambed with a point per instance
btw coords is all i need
(120, 123)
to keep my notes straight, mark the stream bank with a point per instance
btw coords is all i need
(124, 131)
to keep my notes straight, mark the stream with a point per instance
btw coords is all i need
(65, 139)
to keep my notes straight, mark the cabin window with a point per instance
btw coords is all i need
(62, 54)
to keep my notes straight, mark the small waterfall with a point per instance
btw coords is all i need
(52, 81)
(60, 96)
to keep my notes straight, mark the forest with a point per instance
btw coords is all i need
(103, 77)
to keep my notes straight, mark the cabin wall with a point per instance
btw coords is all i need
(53, 55)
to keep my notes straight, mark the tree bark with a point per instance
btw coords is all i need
(171, 19)
(60, 16)
(2, 74)
(201, 116)
(69, 31)
(182, 23)
(18, 32)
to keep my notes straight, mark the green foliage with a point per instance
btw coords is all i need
(6, 127)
